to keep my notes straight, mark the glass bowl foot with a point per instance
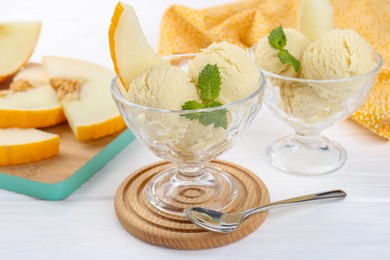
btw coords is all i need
(306, 155)
(172, 192)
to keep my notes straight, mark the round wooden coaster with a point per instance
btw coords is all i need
(144, 221)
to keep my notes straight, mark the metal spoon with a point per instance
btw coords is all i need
(225, 223)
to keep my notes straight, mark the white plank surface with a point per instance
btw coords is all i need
(84, 226)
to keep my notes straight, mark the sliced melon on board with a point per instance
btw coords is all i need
(130, 51)
(17, 43)
(30, 102)
(83, 89)
(18, 146)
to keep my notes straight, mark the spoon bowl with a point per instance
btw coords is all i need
(217, 221)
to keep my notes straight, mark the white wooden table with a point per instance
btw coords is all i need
(84, 225)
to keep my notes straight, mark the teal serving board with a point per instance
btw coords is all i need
(58, 177)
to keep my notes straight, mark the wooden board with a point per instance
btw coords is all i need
(57, 177)
(147, 223)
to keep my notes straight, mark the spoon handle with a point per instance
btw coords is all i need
(334, 194)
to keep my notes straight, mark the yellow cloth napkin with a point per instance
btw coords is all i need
(185, 30)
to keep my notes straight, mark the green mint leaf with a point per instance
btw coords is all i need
(217, 117)
(214, 104)
(277, 39)
(286, 58)
(194, 116)
(209, 83)
(192, 105)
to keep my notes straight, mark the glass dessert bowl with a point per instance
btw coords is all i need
(177, 136)
(310, 106)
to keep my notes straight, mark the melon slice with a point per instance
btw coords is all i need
(130, 51)
(30, 101)
(17, 42)
(18, 146)
(83, 89)
(315, 18)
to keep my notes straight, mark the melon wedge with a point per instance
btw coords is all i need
(84, 90)
(17, 42)
(315, 18)
(31, 102)
(130, 51)
(18, 146)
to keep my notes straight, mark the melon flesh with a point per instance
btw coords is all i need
(37, 106)
(18, 146)
(130, 51)
(93, 113)
(315, 18)
(17, 42)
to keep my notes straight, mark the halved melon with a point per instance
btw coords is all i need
(130, 51)
(315, 18)
(18, 146)
(30, 102)
(17, 43)
(84, 92)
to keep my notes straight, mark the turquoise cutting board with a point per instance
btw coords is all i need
(58, 177)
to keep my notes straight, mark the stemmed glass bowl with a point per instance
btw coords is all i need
(310, 106)
(189, 146)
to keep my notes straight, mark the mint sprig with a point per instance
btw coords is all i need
(209, 84)
(277, 39)
(192, 105)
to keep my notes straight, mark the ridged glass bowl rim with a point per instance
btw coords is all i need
(119, 97)
(357, 77)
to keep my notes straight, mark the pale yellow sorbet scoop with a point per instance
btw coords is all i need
(338, 54)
